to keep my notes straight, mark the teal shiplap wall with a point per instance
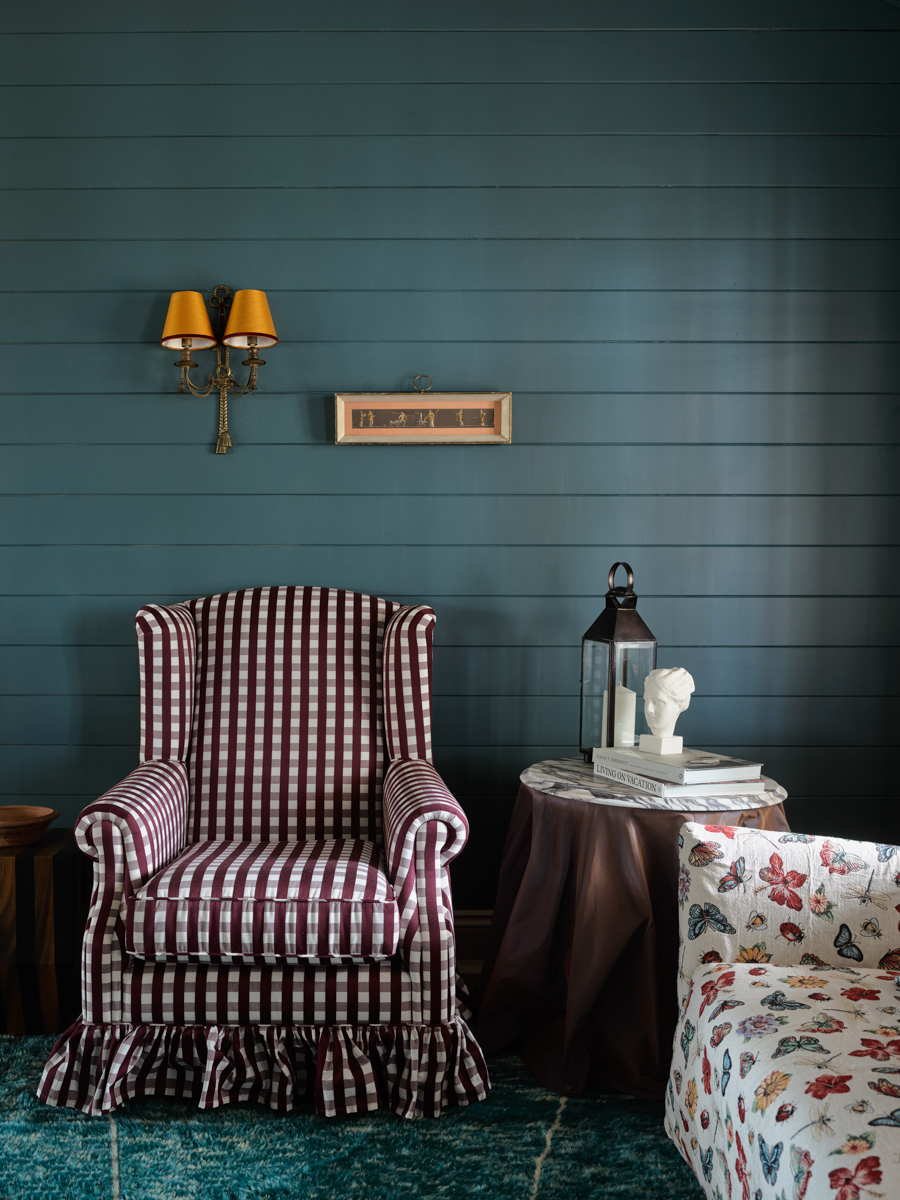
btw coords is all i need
(670, 228)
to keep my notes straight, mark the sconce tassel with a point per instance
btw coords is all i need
(223, 442)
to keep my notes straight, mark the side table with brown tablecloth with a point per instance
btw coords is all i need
(45, 892)
(581, 967)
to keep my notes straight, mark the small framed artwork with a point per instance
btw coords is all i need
(418, 418)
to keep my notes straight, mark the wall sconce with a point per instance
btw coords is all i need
(242, 319)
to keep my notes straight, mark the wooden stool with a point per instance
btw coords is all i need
(45, 892)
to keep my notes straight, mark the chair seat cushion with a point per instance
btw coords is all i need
(266, 901)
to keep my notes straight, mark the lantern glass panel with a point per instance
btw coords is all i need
(633, 663)
(594, 682)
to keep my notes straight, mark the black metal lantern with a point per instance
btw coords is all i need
(618, 652)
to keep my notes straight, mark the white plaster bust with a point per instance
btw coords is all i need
(667, 693)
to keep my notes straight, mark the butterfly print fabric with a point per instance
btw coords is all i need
(797, 902)
(801, 1085)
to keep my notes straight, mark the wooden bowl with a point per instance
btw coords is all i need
(22, 824)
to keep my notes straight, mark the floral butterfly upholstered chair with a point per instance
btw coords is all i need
(785, 1078)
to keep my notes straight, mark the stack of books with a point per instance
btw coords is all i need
(689, 775)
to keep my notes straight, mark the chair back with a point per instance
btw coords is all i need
(791, 899)
(287, 736)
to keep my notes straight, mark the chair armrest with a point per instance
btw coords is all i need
(424, 829)
(414, 794)
(149, 808)
(131, 832)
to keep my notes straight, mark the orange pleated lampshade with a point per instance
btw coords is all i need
(188, 317)
(250, 317)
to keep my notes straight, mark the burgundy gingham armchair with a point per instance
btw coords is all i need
(271, 913)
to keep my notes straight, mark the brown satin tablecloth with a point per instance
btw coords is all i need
(582, 960)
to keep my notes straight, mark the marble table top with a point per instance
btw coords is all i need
(574, 779)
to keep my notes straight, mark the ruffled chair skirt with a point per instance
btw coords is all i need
(415, 1070)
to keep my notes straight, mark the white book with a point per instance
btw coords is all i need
(689, 767)
(657, 787)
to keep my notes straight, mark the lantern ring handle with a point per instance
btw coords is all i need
(423, 389)
(612, 577)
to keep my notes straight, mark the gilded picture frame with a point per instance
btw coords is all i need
(422, 418)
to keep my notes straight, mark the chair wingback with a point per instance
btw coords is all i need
(407, 683)
(167, 644)
(748, 895)
(288, 734)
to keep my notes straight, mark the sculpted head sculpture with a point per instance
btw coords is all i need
(667, 693)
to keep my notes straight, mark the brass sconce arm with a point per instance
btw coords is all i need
(185, 363)
(253, 361)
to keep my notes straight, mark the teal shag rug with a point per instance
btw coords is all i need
(522, 1143)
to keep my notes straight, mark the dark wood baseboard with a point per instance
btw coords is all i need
(473, 927)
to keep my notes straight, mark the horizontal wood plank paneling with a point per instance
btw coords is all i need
(452, 56)
(350, 108)
(535, 316)
(199, 213)
(475, 520)
(758, 671)
(470, 161)
(691, 366)
(174, 16)
(670, 229)
(424, 569)
(444, 265)
(562, 470)
(182, 109)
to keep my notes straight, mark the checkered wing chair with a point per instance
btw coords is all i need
(271, 913)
